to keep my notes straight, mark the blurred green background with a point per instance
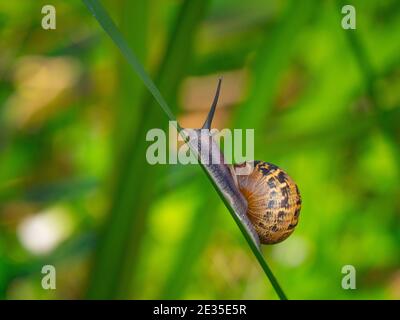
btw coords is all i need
(76, 190)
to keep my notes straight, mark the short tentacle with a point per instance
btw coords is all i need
(207, 123)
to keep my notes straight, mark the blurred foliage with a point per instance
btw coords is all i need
(76, 191)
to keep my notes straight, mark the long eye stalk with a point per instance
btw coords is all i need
(207, 123)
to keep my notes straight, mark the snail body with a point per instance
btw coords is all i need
(265, 199)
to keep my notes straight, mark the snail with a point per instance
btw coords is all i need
(265, 200)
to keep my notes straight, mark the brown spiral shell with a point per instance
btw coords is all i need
(274, 201)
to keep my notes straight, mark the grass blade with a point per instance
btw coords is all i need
(110, 28)
(118, 249)
(134, 18)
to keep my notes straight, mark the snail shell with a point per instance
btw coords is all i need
(273, 201)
